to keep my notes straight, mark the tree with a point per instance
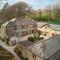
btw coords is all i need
(2, 2)
(16, 10)
(36, 15)
(22, 9)
(3, 6)
(6, 5)
(57, 11)
(49, 13)
(33, 14)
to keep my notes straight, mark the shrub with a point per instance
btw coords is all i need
(35, 39)
(41, 38)
(26, 58)
(7, 41)
(31, 39)
(3, 40)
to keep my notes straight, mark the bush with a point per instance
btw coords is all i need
(3, 40)
(31, 39)
(35, 39)
(41, 38)
(26, 58)
(7, 41)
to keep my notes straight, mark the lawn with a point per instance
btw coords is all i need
(54, 22)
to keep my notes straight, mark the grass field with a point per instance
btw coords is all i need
(54, 22)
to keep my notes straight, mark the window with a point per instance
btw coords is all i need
(46, 27)
(22, 26)
(19, 26)
(26, 26)
(22, 47)
(34, 56)
(15, 28)
(34, 25)
(30, 26)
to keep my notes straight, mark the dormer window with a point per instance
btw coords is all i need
(46, 27)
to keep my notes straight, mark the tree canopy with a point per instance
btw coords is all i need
(23, 9)
(17, 10)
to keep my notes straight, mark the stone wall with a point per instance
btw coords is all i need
(28, 54)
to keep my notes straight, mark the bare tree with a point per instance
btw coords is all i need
(2, 2)
(57, 11)
(23, 9)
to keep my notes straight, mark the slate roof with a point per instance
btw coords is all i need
(55, 27)
(11, 24)
(25, 43)
(25, 21)
(21, 21)
(52, 26)
(50, 46)
(40, 24)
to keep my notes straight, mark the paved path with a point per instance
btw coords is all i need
(10, 49)
(24, 38)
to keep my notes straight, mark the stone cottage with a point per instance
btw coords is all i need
(20, 27)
